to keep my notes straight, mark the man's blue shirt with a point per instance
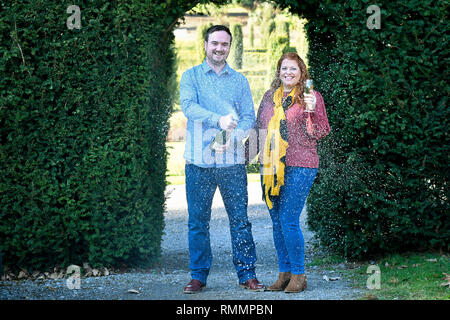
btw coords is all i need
(205, 97)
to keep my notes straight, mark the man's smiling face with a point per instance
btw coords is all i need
(218, 47)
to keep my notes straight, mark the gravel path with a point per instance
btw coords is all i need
(166, 281)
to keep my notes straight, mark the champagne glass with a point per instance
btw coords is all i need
(309, 87)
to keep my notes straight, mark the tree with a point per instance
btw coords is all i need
(277, 46)
(282, 29)
(237, 47)
(200, 41)
(252, 35)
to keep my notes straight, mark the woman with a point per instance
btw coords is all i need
(289, 123)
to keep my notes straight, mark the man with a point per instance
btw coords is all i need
(215, 97)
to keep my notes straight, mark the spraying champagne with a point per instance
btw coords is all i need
(221, 138)
(309, 87)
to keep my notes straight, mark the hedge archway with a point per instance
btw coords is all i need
(84, 114)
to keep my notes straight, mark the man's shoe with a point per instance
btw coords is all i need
(195, 286)
(253, 285)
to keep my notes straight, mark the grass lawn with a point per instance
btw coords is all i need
(412, 276)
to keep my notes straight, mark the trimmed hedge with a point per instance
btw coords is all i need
(383, 181)
(83, 124)
(200, 41)
(237, 47)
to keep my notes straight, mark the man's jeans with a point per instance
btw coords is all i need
(201, 184)
(285, 214)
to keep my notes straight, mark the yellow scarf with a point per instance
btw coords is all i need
(274, 160)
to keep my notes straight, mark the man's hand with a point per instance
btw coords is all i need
(227, 122)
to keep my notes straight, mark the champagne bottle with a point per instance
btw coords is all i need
(221, 138)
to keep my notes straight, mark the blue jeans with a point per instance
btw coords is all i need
(201, 184)
(285, 214)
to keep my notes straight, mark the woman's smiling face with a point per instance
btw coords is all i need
(289, 73)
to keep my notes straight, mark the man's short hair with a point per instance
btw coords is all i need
(217, 28)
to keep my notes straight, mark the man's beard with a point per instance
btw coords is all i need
(221, 57)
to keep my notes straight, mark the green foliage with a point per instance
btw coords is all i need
(237, 47)
(252, 35)
(301, 41)
(83, 122)
(200, 41)
(266, 23)
(383, 179)
(268, 28)
(406, 276)
(248, 4)
(282, 29)
(186, 57)
(278, 45)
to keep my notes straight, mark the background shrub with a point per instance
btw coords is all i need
(278, 44)
(83, 123)
(200, 47)
(237, 47)
(383, 180)
(252, 35)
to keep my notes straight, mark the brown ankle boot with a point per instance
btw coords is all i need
(297, 283)
(281, 283)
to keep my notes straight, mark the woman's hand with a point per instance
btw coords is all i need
(310, 100)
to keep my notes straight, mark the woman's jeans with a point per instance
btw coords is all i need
(285, 214)
(201, 184)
